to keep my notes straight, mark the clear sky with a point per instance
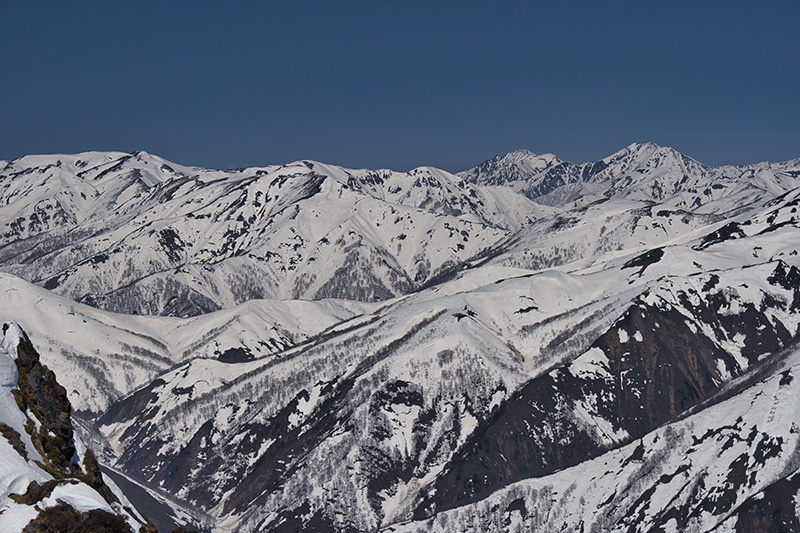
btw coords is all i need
(399, 84)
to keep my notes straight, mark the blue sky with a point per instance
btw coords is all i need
(399, 84)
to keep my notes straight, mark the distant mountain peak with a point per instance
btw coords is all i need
(641, 171)
(523, 154)
(646, 145)
(518, 165)
(534, 160)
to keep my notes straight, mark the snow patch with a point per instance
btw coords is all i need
(592, 364)
(81, 497)
(497, 398)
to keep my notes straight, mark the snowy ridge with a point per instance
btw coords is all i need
(111, 355)
(640, 171)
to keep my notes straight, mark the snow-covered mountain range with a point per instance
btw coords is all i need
(527, 345)
(135, 234)
(640, 171)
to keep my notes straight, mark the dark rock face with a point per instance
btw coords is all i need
(64, 518)
(41, 396)
(732, 230)
(787, 277)
(645, 260)
(47, 400)
(526, 438)
(773, 512)
(133, 404)
(300, 519)
(13, 438)
(670, 370)
(385, 466)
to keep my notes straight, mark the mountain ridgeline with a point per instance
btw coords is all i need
(530, 344)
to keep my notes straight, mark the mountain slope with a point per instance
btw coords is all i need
(105, 356)
(729, 467)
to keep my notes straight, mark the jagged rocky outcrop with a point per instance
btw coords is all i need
(50, 481)
(46, 399)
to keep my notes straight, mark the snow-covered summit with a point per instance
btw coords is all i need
(641, 171)
(507, 169)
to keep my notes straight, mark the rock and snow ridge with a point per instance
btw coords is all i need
(36, 477)
(636, 327)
